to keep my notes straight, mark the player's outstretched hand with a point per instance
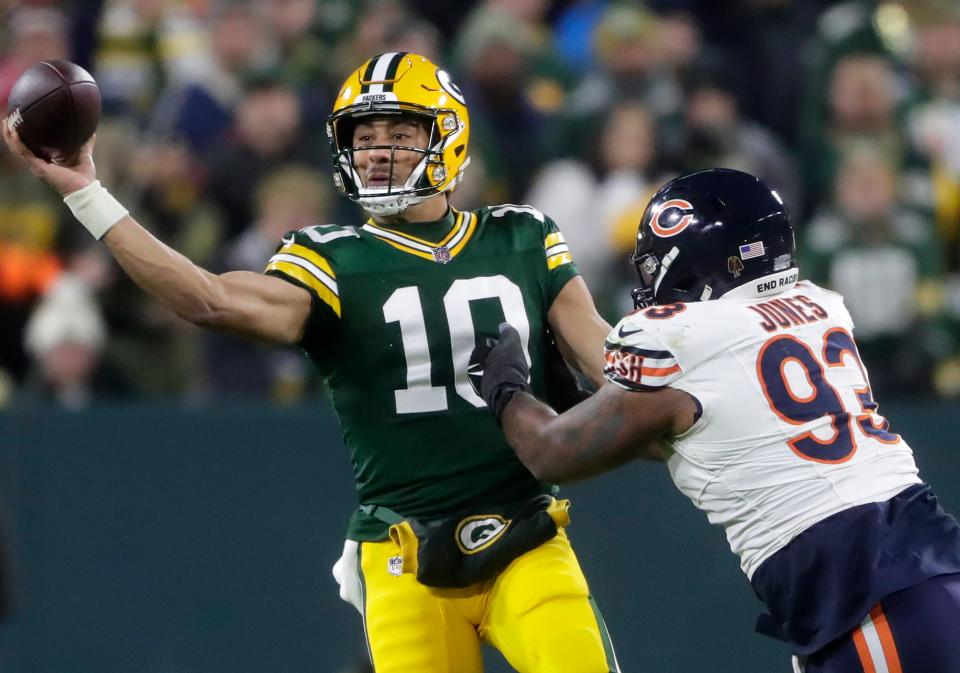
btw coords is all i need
(66, 178)
(498, 369)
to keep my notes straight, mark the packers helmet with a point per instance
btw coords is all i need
(399, 83)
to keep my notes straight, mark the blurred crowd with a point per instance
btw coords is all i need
(213, 136)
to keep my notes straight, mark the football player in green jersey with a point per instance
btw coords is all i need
(455, 542)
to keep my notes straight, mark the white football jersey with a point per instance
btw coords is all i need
(789, 433)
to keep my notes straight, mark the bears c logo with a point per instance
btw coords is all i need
(672, 217)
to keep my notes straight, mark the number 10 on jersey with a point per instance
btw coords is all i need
(404, 307)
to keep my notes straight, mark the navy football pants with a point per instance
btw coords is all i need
(916, 630)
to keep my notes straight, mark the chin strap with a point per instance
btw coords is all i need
(389, 205)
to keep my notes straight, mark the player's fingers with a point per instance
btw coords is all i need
(86, 151)
(8, 135)
(87, 147)
(12, 138)
(509, 336)
(507, 329)
(83, 155)
(13, 141)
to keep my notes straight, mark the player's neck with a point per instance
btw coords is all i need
(430, 210)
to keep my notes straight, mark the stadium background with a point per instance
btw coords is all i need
(149, 532)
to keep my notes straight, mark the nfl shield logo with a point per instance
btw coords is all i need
(441, 255)
(395, 565)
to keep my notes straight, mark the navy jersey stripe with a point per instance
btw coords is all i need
(653, 355)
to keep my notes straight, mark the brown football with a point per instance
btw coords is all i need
(55, 107)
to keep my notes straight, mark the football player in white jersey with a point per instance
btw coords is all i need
(747, 382)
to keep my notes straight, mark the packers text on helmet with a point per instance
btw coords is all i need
(399, 83)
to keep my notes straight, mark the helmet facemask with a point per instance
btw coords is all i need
(648, 267)
(428, 176)
(651, 268)
(652, 271)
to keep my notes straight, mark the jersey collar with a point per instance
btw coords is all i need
(442, 251)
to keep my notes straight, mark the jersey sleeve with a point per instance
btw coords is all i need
(636, 358)
(301, 261)
(559, 260)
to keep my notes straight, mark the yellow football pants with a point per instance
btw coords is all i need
(538, 613)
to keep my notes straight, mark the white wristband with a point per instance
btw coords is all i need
(95, 208)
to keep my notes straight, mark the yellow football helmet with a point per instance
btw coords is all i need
(408, 84)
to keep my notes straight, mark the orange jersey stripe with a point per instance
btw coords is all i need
(886, 640)
(659, 371)
(863, 652)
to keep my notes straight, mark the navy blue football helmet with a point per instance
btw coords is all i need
(705, 234)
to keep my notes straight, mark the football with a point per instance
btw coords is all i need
(55, 107)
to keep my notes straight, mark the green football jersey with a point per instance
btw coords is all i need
(396, 313)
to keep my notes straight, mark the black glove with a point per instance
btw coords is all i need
(498, 369)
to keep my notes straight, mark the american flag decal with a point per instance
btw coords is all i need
(752, 250)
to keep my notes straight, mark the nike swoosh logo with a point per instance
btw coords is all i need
(623, 335)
